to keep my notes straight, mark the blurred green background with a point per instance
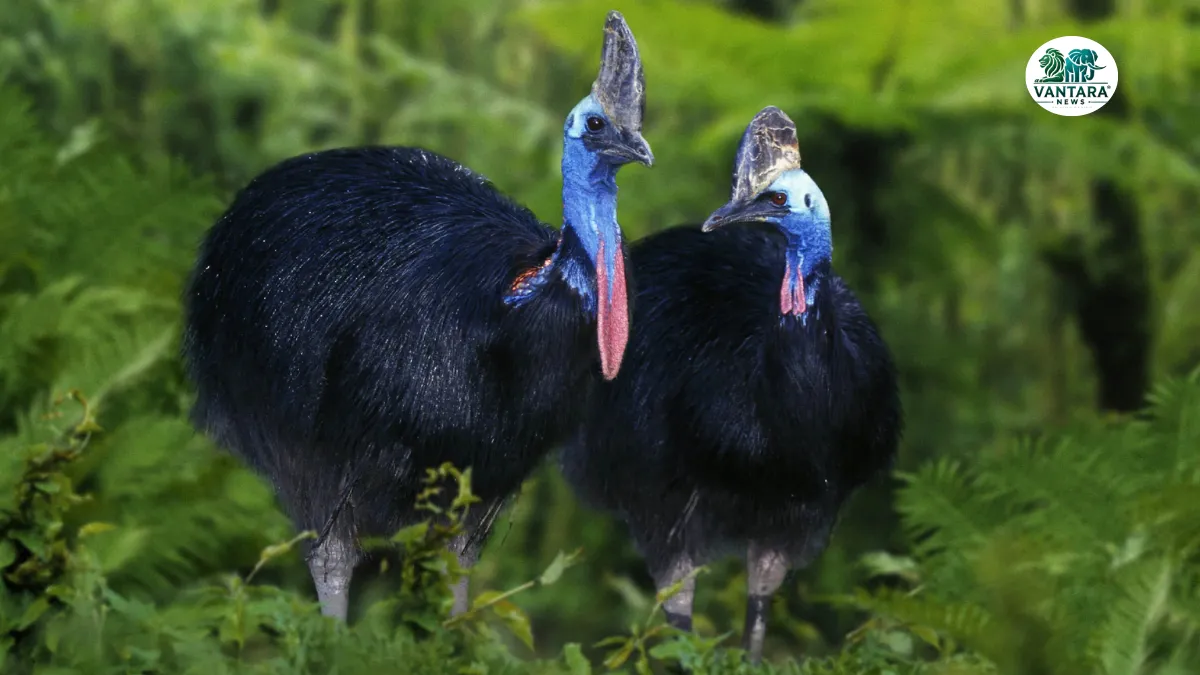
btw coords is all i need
(1033, 274)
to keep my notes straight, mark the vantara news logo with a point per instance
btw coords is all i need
(1071, 76)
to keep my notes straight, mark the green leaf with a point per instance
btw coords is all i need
(577, 663)
(882, 563)
(60, 591)
(275, 550)
(48, 486)
(613, 640)
(618, 657)
(485, 598)
(8, 553)
(927, 634)
(34, 541)
(53, 635)
(95, 528)
(898, 641)
(33, 612)
(132, 608)
(412, 535)
(670, 650)
(516, 620)
(426, 621)
(568, 561)
(554, 572)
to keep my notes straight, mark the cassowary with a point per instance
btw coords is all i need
(756, 394)
(359, 315)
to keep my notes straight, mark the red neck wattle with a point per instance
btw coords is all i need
(612, 312)
(791, 294)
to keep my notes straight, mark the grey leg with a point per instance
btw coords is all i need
(678, 607)
(467, 556)
(765, 571)
(462, 596)
(331, 564)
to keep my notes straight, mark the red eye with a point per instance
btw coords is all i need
(778, 198)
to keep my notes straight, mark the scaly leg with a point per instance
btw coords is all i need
(462, 596)
(331, 563)
(765, 571)
(467, 556)
(678, 607)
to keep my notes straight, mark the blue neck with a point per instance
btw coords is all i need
(590, 212)
(805, 254)
(807, 248)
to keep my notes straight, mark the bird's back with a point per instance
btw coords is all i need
(347, 308)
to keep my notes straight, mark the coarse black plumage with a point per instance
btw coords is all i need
(358, 315)
(773, 422)
(739, 422)
(350, 300)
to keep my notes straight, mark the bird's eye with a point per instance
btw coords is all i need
(808, 201)
(778, 198)
(595, 123)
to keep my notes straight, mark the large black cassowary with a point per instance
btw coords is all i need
(358, 315)
(756, 395)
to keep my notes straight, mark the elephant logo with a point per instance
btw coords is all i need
(1071, 75)
(1079, 65)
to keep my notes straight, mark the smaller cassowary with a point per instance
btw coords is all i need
(756, 396)
(360, 315)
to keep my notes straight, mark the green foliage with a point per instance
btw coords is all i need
(33, 551)
(89, 299)
(1073, 554)
(62, 613)
(1030, 535)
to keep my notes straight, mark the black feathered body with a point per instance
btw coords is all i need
(346, 329)
(729, 422)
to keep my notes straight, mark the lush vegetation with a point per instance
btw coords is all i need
(1037, 277)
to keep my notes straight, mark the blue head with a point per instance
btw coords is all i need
(769, 186)
(602, 133)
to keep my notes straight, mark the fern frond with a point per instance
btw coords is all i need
(183, 511)
(966, 623)
(1122, 646)
(943, 510)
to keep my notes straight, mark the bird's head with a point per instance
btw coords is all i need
(602, 134)
(607, 123)
(770, 187)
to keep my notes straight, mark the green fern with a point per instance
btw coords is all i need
(1053, 538)
(1075, 554)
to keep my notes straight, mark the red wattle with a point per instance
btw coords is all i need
(612, 314)
(785, 291)
(791, 296)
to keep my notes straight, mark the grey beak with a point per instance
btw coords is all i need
(633, 148)
(739, 212)
(718, 218)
